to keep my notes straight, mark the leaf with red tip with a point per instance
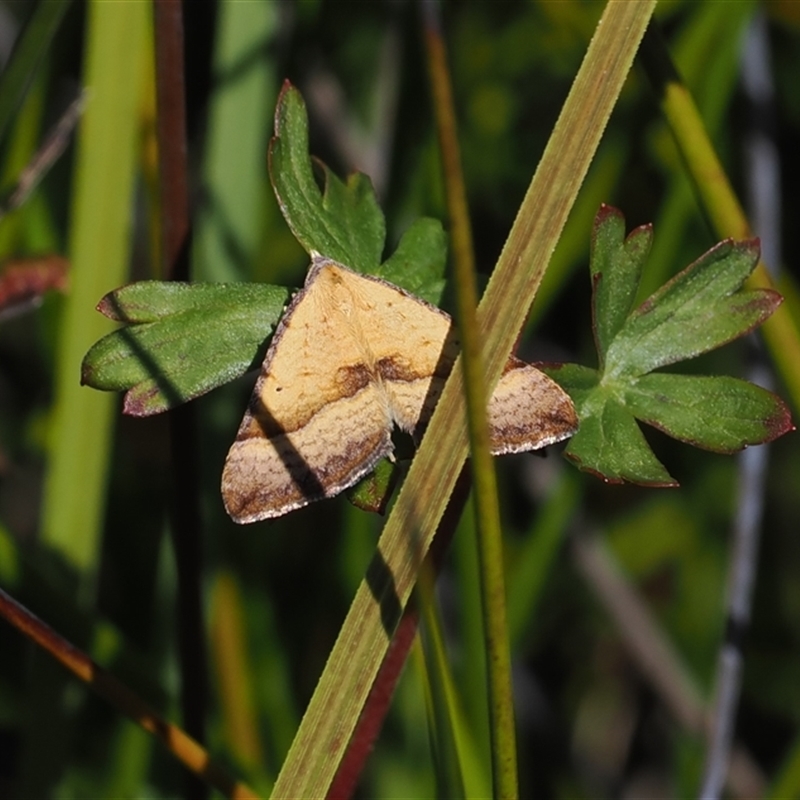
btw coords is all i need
(718, 413)
(700, 309)
(185, 340)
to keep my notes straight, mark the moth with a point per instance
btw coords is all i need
(353, 356)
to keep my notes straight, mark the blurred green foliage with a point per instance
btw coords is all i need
(590, 724)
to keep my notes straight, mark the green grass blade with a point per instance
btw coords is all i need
(22, 140)
(366, 633)
(707, 52)
(131, 751)
(99, 243)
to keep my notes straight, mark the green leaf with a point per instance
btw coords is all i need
(610, 444)
(343, 221)
(701, 308)
(187, 340)
(720, 413)
(578, 381)
(419, 261)
(373, 492)
(150, 301)
(616, 267)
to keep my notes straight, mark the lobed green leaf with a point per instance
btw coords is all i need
(701, 308)
(189, 339)
(186, 339)
(150, 301)
(578, 381)
(698, 310)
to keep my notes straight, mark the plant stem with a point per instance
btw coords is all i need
(81, 433)
(487, 508)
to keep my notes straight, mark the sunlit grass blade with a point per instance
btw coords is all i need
(366, 633)
(707, 51)
(99, 243)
